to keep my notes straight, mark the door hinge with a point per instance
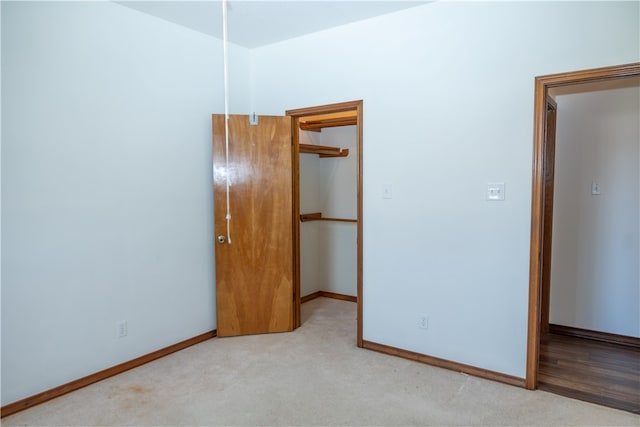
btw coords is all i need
(253, 119)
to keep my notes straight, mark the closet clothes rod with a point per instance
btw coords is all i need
(317, 216)
(323, 150)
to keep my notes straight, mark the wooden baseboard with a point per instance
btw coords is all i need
(309, 297)
(447, 364)
(325, 294)
(595, 335)
(36, 399)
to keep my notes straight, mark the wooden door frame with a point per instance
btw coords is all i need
(295, 134)
(542, 85)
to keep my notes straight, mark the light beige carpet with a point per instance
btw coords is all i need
(313, 376)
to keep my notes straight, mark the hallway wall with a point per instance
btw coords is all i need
(595, 273)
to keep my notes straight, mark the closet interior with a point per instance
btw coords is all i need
(328, 183)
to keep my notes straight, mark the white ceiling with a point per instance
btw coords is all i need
(258, 23)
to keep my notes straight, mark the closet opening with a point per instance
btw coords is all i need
(327, 205)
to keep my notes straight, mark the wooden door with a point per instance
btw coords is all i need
(547, 227)
(254, 271)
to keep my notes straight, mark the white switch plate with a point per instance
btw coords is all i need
(386, 191)
(495, 191)
(595, 188)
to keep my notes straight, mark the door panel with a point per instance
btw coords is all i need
(547, 221)
(254, 272)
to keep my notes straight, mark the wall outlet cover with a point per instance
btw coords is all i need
(423, 321)
(387, 191)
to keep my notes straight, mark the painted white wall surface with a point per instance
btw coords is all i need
(311, 268)
(106, 187)
(339, 175)
(448, 107)
(340, 240)
(338, 193)
(595, 277)
(328, 250)
(310, 176)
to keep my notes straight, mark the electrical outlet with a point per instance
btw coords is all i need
(423, 321)
(387, 191)
(122, 329)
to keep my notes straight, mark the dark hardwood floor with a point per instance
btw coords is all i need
(589, 370)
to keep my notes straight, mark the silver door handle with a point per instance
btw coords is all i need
(221, 239)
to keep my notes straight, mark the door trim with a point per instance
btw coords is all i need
(542, 85)
(295, 133)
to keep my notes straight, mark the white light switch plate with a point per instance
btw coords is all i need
(495, 191)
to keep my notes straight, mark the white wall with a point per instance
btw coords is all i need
(106, 187)
(339, 185)
(328, 250)
(595, 278)
(448, 107)
(311, 236)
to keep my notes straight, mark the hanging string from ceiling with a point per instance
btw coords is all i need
(225, 47)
